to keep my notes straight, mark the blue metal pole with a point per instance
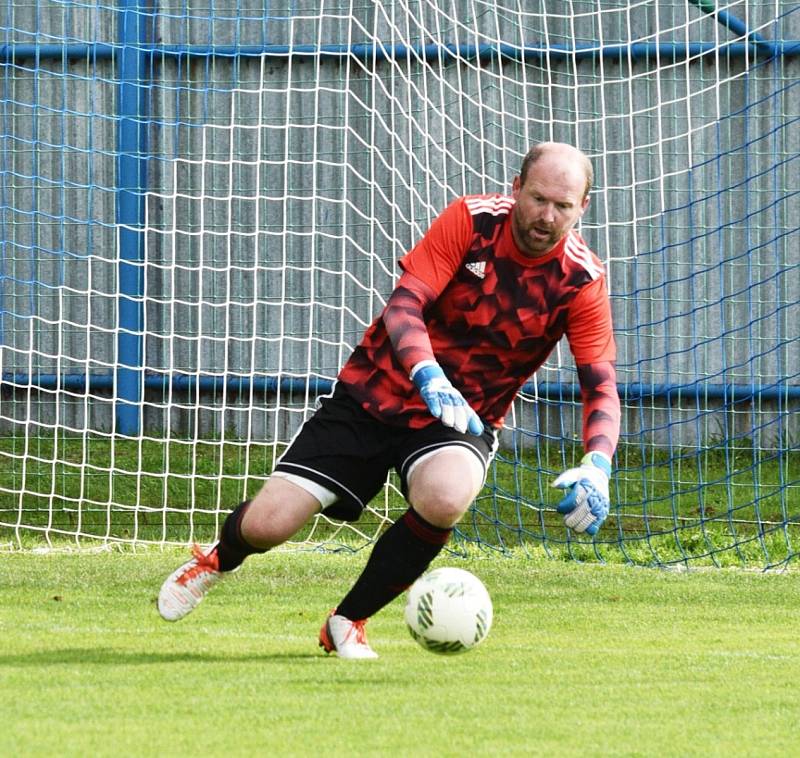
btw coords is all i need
(130, 211)
(735, 24)
(239, 383)
(757, 46)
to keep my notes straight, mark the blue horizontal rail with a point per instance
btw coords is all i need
(240, 384)
(444, 52)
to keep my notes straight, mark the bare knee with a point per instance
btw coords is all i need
(441, 508)
(277, 512)
(442, 487)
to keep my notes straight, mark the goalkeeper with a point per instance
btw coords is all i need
(483, 299)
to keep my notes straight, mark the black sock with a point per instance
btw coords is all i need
(399, 557)
(232, 548)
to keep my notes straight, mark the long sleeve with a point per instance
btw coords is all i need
(405, 322)
(601, 407)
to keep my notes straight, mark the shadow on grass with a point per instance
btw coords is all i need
(112, 657)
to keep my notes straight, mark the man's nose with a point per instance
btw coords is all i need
(548, 213)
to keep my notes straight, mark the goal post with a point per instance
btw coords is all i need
(203, 209)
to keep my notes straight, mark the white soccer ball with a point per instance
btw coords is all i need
(448, 611)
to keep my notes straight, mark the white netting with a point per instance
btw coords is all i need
(203, 211)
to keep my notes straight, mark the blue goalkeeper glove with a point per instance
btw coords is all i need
(586, 504)
(443, 400)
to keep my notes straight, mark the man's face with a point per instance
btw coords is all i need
(549, 204)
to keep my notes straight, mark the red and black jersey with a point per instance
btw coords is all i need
(492, 315)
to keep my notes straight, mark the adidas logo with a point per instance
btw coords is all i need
(479, 269)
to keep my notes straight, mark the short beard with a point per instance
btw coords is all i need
(522, 234)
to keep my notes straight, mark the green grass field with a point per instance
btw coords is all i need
(582, 660)
(714, 507)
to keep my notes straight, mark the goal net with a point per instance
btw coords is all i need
(202, 208)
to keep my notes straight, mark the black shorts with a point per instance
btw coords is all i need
(349, 452)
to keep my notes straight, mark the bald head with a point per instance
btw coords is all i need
(568, 157)
(551, 193)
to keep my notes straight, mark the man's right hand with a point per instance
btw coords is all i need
(444, 401)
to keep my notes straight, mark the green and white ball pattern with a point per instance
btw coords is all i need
(448, 611)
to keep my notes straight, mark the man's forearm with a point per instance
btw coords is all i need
(601, 407)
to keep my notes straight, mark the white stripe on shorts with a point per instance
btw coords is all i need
(324, 495)
(439, 446)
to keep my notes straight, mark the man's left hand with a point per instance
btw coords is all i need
(586, 504)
